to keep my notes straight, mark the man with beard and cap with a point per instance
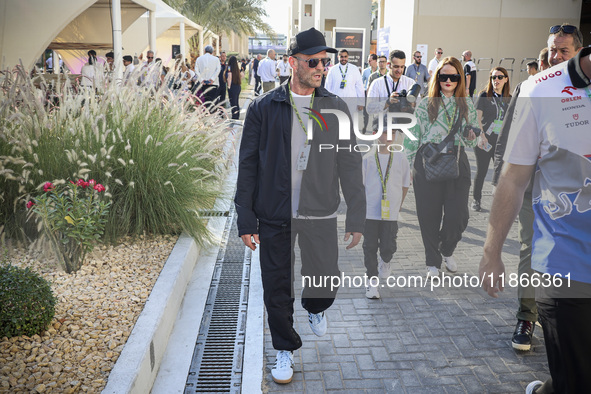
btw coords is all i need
(288, 187)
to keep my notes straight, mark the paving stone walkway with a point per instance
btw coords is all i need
(416, 340)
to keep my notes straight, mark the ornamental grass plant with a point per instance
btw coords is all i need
(159, 154)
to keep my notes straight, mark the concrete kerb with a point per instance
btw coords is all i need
(136, 368)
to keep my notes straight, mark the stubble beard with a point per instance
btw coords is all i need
(306, 80)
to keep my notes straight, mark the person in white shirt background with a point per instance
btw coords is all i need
(344, 80)
(383, 92)
(283, 70)
(207, 70)
(435, 61)
(267, 71)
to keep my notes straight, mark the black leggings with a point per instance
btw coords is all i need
(483, 159)
(234, 95)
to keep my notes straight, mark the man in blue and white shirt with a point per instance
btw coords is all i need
(550, 134)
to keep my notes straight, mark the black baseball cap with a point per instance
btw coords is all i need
(309, 42)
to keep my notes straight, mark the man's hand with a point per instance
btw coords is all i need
(360, 108)
(393, 98)
(248, 240)
(490, 272)
(354, 241)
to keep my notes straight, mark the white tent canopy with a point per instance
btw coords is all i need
(71, 27)
(172, 28)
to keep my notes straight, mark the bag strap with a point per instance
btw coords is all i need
(452, 133)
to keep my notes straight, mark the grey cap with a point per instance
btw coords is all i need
(209, 49)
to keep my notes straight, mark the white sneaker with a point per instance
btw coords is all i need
(384, 269)
(450, 263)
(372, 292)
(282, 372)
(432, 271)
(532, 386)
(318, 323)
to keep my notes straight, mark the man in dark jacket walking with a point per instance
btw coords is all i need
(288, 187)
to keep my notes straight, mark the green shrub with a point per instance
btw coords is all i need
(27, 304)
(158, 154)
(73, 217)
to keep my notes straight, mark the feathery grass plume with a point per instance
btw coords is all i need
(99, 136)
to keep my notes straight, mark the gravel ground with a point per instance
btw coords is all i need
(96, 310)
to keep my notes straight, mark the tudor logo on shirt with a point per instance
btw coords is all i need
(577, 122)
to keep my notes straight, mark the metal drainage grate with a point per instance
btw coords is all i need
(217, 359)
(213, 214)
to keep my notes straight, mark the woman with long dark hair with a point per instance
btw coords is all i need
(442, 206)
(234, 80)
(491, 108)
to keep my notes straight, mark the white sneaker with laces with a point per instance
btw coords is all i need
(372, 292)
(318, 323)
(450, 263)
(532, 386)
(282, 372)
(384, 269)
(432, 271)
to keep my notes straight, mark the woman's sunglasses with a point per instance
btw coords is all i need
(313, 63)
(568, 29)
(499, 77)
(451, 77)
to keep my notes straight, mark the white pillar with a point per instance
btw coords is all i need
(183, 41)
(201, 49)
(152, 32)
(217, 47)
(117, 41)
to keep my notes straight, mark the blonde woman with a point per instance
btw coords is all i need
(442, 206)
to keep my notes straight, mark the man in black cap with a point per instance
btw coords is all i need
(288, 187)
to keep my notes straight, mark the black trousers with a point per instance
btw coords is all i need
(378, 235)
(318, 244)
(257, 84)
(221, 93)
(441, 200)
(483, 159)
(566, 323)
(234, 96)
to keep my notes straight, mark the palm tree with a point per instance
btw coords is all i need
(243, 17)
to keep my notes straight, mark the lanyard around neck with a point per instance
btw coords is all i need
(384, 180)
(449, 118)
(298, 112)
(341, 70)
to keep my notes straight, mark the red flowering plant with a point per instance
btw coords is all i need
(73, 215)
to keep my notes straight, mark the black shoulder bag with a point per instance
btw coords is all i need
(439, 161)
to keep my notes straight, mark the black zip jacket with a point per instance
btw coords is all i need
(263, 191)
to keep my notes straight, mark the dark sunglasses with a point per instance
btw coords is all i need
(451, 77)
(439, 53)
(418, 57)
(150, 57)
(499, 77)
(313, 63)
(568, 29)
